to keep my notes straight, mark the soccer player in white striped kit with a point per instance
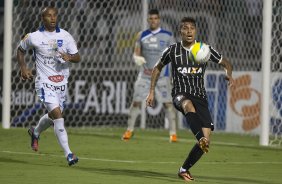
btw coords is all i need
(53, 50)
(148, 48)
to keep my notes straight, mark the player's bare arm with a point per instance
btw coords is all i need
(137, 49)
(137, 57)
(228, 69)
(25, 72)
(154, 78)
(73, 58)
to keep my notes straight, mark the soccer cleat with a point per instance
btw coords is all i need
(186, 176)
(72, 159)
(173, 138)
(34, 139)
(127, 135)
(204, 144)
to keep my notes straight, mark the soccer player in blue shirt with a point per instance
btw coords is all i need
(148, 48)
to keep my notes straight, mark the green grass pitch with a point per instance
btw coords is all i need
(146, 159)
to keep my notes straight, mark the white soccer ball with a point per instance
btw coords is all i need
(200, 52)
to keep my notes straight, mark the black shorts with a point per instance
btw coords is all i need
(201, 107)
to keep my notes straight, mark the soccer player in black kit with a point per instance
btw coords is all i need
(188, 93)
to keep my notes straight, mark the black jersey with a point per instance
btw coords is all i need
(187, 75)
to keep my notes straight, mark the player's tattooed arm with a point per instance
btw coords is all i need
(155, 75)
(228, 69)
(154, 78)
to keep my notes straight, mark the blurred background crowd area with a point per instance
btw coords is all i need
(105, 29)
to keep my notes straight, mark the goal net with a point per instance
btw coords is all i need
(101, 86)
(276, 76)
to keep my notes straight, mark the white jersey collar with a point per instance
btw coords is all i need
(156, 31)
(42, 28)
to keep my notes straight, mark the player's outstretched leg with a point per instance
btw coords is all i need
(34, 139)
(194, 155)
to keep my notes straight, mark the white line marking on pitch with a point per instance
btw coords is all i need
(135, 161)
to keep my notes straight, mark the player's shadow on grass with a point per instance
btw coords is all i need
(8, 160)
(168, 177)
(226, 180)
(46, 162)
(99, 135)
(132, 173)
(256, 148)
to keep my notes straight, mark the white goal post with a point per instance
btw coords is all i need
(6, 98)
(266, 58)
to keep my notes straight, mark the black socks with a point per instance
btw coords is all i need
(194, 155)
(195, 124)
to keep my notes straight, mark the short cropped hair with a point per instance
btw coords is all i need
(188, 19)
(154, 12)
(43, 11)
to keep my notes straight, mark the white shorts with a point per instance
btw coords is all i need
(163, 90)
(52, 96)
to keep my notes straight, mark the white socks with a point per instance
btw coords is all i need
(62, 135)
(170, 114)
(182, 170)
(44, 123)
(133, 113)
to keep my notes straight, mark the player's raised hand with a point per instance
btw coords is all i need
(26, 74)
(230, 81)
(150, 99)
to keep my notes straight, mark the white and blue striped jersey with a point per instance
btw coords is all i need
(152, 44)
(50, 68)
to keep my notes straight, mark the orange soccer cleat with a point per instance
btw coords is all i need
(186, 176)
(127, 135)
(173, 138)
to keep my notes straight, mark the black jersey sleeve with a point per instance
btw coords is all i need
(215, 56)
(165, 58)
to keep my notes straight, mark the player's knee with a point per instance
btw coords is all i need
(188, 106)
(168, 106)
(136, 104)
(55, 113)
